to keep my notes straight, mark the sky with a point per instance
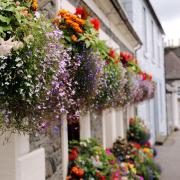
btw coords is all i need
(168, 12)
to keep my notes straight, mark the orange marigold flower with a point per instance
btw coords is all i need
(74, 38)
(35, 5)
(69, 22)
(78, 29)
(62, 12)
(116, 62)
(80, 21)
(74, 16)
(75, 25)
(77, 171)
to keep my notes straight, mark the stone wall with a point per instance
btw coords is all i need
(48, 7)
(51, 142)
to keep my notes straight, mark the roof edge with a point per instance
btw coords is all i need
(124, 17)
(155, 15)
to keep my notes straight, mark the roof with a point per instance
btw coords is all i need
(172, 66)
(154, 15)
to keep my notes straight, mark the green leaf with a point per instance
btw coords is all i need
(68, 38)
(88, 44)
(5, 19)
(81, 38)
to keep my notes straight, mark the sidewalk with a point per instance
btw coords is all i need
(169, 157)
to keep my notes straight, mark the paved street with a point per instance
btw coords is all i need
(169, 157)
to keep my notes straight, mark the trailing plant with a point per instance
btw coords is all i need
(28, 76)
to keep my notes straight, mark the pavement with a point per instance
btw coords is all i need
(169, 157)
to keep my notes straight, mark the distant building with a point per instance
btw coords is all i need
(151, 58)
(172, 69)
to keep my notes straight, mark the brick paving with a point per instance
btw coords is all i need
(169, 157)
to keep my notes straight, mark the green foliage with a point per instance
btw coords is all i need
(12, 17)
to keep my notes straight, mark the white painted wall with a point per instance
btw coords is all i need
(31, 166)
(109, 127)
(64, 145)
(85, 125)
(176, 107)
(151, 64)
(120, 131)
(17, 163)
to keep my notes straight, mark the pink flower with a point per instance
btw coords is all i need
(108, 151)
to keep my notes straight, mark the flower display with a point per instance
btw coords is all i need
(125, 160)
(135, 161)
(138, 132)
(92, 161)
(52, 68)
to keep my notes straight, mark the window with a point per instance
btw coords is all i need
(145, 29)
(178, 91)
(152, 39)
(159, 48)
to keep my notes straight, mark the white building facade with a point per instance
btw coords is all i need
(151, 59)
(105, 125)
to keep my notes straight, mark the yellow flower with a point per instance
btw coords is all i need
(35, 5)
(146, 150)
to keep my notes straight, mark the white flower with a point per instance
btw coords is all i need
(7, 46)
(28, 38)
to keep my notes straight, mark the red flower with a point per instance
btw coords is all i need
(150, 77)
(96, 24)
(107, 62)
(144, 76)
(137, 146)
(126, 56)
(73, 154)
(79, 11)
(100, 177)
(112, 53)
(148, 144)
(82, 12)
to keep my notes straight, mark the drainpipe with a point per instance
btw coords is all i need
(137, 48)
